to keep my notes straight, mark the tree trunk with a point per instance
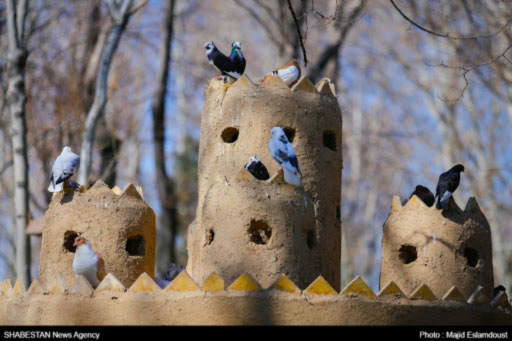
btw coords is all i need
(166, 187)
(16, 100)
(121, 15)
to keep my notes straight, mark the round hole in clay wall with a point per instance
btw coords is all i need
(329, 140)
(290, 133)
(311, 239)
(136, 246)
(407, 254)
(471, 256)
(229, 135)
(259, 232)
(69, 240)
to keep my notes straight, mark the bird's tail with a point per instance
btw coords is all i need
(291, 177)
(55, 187)
(442, 202)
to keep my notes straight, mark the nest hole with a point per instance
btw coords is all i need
(229, 135)
(210, 235)
(135, 246)
(290, 133)
(338, 212)
(408, 254)
(311, 239)
(69, 240)
(329, 140)
(471, 256)
(259, 232)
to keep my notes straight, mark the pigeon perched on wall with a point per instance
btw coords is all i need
(282, 151)
(257, 168)
(87, 262)
(172, 271)
(289, 73)
(230, 67)
(424, 194)
(64, 167)
(498, 289)
(447, 184)
(238, 59)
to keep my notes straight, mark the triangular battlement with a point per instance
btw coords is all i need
(323, 87)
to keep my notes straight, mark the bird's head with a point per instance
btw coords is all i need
(458, 168)
(236, 45)
(79, 241)
(66, 149)
(209, 46)
(253, 159)
(277, 132)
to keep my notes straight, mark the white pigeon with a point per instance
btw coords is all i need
(282, 151)
(87, 262)
(289, 73)
(64, 167)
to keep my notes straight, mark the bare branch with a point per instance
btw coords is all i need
(447, 35)
(297, 25)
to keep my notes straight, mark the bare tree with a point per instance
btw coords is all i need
(166, 188)
(17, 98)
(120, 15)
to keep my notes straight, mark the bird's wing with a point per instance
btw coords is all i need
(69, 164)
(288, 74)
(283, 153)
(452, 181)
(224, 65)
(101, 268)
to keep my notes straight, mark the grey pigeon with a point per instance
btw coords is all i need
(64, 167)
(282, 151)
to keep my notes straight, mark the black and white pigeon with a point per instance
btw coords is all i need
(424, 194)
(231, 67)
(64, 167)
(257, 168)
(282, 151)
(447, 184)
(498, 289)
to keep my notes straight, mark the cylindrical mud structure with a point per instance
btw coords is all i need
(268, 228)
(120, 227)
(440, 248)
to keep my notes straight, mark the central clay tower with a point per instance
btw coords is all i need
(268, 228)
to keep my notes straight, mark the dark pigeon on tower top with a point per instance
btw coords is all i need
(424, 194)
(232, 66)
(447, 184)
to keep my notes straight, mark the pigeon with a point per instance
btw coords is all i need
(87, 262)
(238, 59)
(447, 184)
(64, 167)
(257, 168)
(498, 289)
(172, 271)
(282, 151)
(289, 73)
(230, 67)
(424, 194)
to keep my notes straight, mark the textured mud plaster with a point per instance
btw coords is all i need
(300, 232)
(230, 308)
(121, 228)
(441, 249)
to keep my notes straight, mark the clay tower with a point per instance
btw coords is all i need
(439, 248)
(268, 228)
(119, 225)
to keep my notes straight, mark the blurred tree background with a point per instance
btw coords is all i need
(422, 85)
